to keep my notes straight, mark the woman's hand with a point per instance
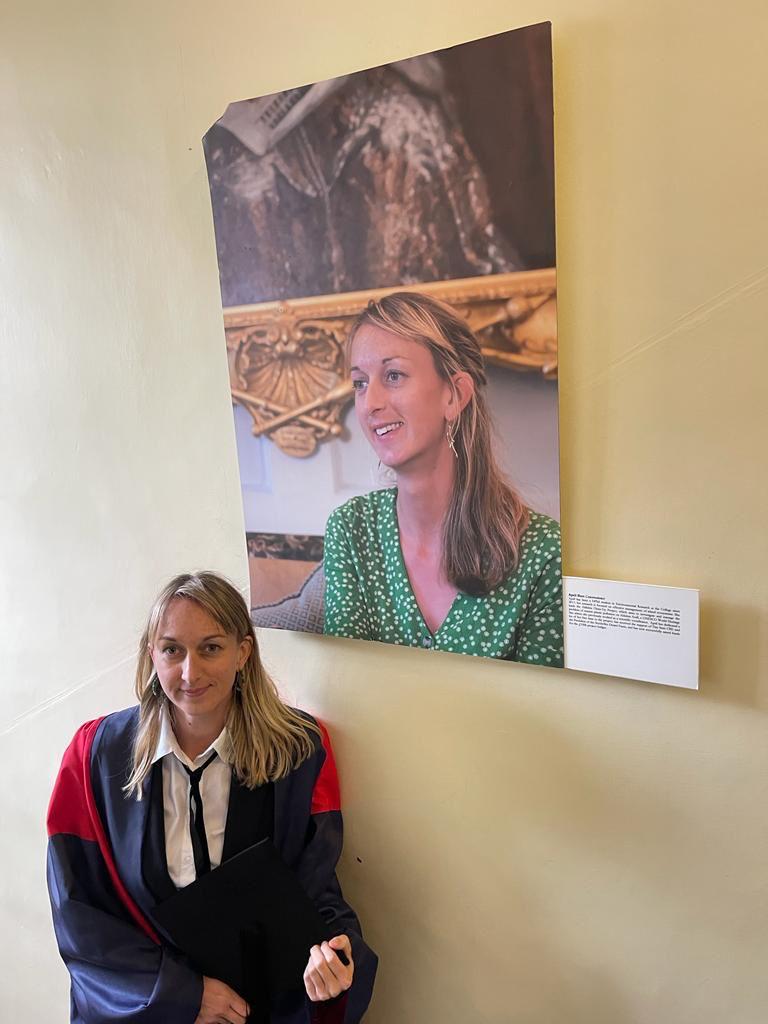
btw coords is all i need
(221, 1004)
(325, 976)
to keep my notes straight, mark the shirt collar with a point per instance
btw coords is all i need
(168, 744)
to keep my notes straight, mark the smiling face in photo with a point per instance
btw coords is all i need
(196, 660)
(401, 400)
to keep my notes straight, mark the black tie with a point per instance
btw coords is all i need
(196, 821)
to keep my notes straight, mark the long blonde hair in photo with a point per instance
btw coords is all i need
(486, 518)
(268, 738)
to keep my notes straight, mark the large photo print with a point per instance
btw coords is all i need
(386, 254)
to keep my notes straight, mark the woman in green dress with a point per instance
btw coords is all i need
(450, 559)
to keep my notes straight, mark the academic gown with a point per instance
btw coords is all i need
(107, 870)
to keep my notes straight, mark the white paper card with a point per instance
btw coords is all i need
(632, 630)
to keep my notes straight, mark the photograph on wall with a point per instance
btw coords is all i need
(386, 250)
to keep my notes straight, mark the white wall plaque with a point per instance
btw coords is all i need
(632, 630)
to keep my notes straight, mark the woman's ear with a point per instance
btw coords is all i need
(244, 652)
(463, 391)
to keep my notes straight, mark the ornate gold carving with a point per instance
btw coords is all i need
(286, 359)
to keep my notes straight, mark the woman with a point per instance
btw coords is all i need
(450, 558)
(148, 799)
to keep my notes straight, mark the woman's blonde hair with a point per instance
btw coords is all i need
(486, 518)
(268, 738)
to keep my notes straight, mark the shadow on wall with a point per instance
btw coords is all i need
(733, 655)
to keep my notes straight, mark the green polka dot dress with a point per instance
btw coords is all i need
(369, 597)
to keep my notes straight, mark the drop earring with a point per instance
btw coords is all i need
(450, 434)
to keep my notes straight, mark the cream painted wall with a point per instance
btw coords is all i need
(524, 845)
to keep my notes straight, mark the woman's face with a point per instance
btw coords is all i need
(401, 401)
(196, 661)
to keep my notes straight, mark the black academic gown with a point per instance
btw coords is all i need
(107, 871)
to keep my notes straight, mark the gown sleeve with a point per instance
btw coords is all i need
(317, 872)
(346, 610)
(119, 970)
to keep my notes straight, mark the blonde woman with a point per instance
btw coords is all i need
(149, 799)
(449, 559)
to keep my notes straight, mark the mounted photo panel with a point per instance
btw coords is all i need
(386, 253)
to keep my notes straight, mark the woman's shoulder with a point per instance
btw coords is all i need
(117, 723)
(112, 736)
(319, 735)
(542, 535)
(309, 719)
(104, 744)
(364, 509)
(321, 766)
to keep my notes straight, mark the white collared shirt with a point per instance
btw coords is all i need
(214, 793)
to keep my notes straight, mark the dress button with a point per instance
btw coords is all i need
(426, 641)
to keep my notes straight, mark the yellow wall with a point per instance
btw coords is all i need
(534, 847)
